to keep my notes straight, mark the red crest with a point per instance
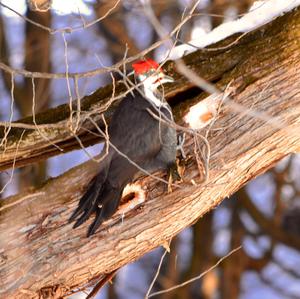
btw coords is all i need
(143, 66)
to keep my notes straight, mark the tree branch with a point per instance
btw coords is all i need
(268, 225)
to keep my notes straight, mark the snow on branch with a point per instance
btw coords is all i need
(261, 12)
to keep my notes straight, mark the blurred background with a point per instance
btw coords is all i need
(256, 217)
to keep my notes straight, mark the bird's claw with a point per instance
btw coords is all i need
(173, 176)
(180, 143)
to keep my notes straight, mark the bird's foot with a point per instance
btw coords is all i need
(183, 158)
(170, 184)
(173, 176)
(180, 143)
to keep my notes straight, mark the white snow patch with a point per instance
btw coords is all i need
(201, 27)
(260, 13)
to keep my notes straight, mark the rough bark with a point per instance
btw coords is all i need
(38, 247)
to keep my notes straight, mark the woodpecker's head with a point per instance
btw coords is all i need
(150, 74)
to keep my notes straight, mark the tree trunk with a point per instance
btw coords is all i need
(40, 254)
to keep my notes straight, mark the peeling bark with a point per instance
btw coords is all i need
(38, 247)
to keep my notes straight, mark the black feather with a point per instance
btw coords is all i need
(112, 200)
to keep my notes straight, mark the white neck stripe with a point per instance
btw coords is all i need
(151, 96)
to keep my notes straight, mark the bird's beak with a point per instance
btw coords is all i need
(164, 79)
(167, 79)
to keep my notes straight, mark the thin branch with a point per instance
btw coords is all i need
(13, 166)
(197, 277)
(101, 283)
(64, 29)
(95, 72)
(37, 127)
(156, 274)
(8, 128)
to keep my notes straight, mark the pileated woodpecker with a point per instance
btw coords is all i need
(139, 134)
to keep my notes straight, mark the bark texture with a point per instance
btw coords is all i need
(40, 255)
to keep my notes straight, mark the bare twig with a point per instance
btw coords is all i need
(13, 166)
(7, 128)
(197, 277)
(95, 72)
(156, 274)
(101, 283)
(38, 128)
(64, 29)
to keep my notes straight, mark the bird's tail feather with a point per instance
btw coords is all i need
(84, 201)
(87, 202)
(100, 198)
(106, 205)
